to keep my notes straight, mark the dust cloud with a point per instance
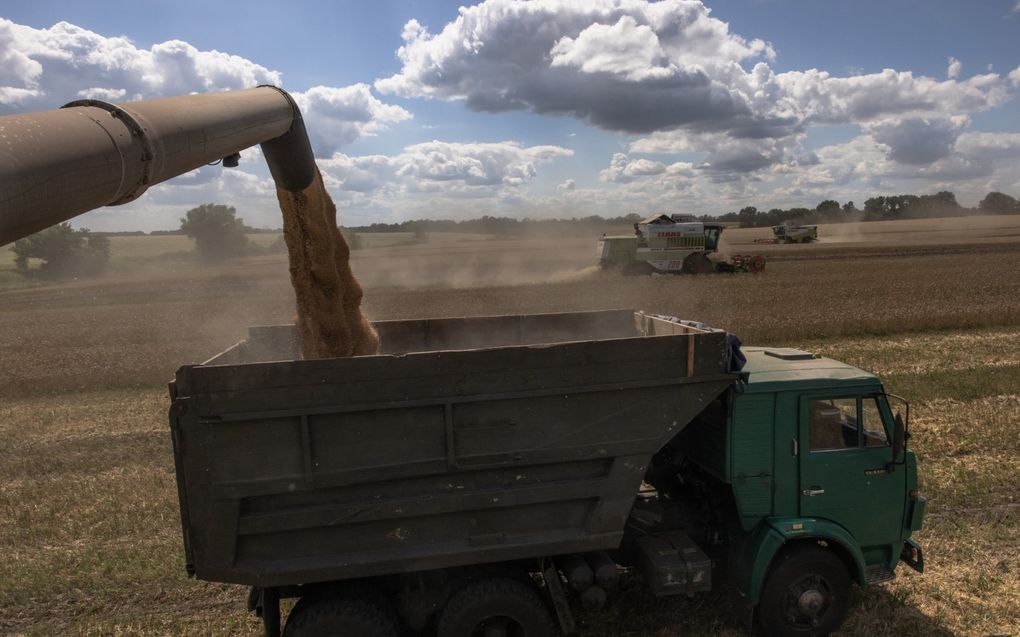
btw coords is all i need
(478, 263)
(850, 232)
(328, 296)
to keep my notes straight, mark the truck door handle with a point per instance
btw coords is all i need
(813, 491)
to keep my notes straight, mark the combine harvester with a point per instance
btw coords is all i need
(789, 232)
(672, 243)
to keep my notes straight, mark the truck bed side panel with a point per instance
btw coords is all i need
(308, 471)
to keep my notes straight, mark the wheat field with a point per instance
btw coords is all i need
(88, 505)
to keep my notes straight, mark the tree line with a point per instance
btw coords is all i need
(219, 233)
(882, 208)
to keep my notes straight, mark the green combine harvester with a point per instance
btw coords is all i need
(671, 244)
(790, 232)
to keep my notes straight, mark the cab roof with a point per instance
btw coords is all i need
(778, 368)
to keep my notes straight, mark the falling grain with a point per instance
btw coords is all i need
(329, 320)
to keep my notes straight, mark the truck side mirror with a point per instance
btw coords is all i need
(899, 439)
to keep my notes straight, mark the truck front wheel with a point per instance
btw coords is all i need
(807, 594)
(340, 617)
(495, 607)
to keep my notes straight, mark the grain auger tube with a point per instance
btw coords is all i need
(55, 165)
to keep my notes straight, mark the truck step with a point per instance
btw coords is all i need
(878, 574)
(672, 564)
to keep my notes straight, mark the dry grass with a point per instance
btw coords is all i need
(88, 506)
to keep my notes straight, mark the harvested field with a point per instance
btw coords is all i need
(134, 330)
(900, 233)
(88, 504)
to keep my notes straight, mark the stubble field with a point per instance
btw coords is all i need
(88, 510)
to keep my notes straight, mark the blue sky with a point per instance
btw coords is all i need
(562, 108)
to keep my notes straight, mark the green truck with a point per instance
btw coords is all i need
(488, 476)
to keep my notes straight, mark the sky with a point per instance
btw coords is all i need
(557, 108)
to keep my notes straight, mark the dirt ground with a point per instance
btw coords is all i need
(88, 510)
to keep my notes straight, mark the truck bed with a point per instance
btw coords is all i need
(465, 441)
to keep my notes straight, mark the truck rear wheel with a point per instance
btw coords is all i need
(340, 617)
(495, 607)
(807, 594)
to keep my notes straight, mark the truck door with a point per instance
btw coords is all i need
(846, 474)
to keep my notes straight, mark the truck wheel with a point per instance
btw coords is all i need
(496, 607)
(807, 594)
(340, 617)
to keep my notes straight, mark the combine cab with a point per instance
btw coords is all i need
(676, 244)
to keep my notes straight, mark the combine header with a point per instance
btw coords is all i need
(672, 243)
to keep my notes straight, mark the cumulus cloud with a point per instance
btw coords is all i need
(342, 115)
(45, 68)
(724, 157)
(627, 49)
(866, 160)
(568, 184)
(443, 166)
(632, 66)
(954, 68)
(623, 169)
(1014, 76)
(506, 163)
(918, 141)
(651, 67)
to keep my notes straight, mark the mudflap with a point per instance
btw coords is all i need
(554, 586)
(265, 603)
(912, 555)
(742, 608)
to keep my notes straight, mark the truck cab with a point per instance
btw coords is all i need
(807, 460)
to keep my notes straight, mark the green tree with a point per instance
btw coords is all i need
(999, 202)
(63, 251)
(829, 206)
(874, 208)
(748, 217)
(217, 231)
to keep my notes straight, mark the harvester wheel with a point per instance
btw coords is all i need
(697, 263)
(757, 264)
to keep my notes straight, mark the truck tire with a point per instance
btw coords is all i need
(495, 607)
(340, 617)
(807, 594)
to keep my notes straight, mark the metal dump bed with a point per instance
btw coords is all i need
(466, 441)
